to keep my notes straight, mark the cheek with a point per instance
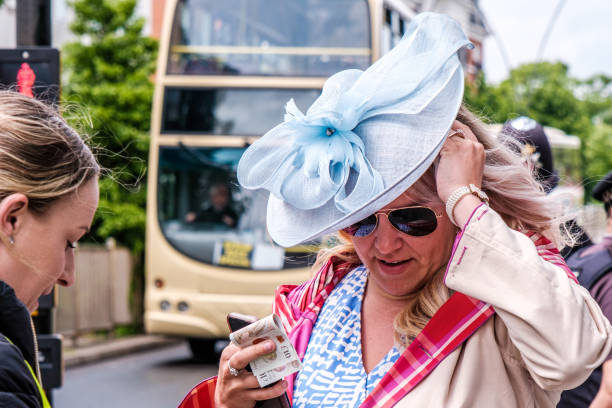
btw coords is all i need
(53, 264)
(445, 240)
(361, 247)
(437, 247)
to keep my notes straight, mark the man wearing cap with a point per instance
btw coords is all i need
(593, 265)
(536, 153)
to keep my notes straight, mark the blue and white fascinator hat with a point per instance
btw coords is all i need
(367, 138)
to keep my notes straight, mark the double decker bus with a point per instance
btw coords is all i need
(225, 71)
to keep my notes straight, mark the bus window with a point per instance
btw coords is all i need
(229, 111)
(206, 215)
(269, 37)
(386, 34)
(395, 29)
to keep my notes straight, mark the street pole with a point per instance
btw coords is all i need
(34, 23)
(548, 30)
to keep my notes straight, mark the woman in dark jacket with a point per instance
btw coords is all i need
(48, 197)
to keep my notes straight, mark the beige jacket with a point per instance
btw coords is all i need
(547, 335)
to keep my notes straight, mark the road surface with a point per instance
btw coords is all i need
(154, 379)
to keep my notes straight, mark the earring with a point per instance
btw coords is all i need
(11, 240)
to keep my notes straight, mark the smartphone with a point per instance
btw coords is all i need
(237, 321)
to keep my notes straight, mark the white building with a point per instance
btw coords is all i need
(472, 20)
(61, 15)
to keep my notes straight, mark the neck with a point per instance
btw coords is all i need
(609, 228)
(375, 297)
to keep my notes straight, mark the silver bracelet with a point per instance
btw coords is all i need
(458, 194)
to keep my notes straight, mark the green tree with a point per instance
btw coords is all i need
(596, 92)
(542, 91)
(598, 154)
(597, 95)
(107, 72)
(546, 92)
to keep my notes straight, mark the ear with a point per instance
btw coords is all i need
(12, 210)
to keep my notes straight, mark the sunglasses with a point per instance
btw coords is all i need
(414, 221)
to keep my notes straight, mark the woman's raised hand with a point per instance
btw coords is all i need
(242, 390)
(461, 161)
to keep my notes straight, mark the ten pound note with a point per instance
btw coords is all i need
(271, 367)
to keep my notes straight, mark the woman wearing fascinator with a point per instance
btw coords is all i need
(446, 288)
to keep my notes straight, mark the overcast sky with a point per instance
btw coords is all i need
(581, 36)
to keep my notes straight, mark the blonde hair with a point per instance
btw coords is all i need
(513, 192)
(40, 155)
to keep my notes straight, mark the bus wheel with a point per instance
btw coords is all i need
(203, 350)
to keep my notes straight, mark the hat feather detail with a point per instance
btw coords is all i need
(316, 158)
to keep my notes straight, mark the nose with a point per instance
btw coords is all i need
(386, 239)
(68, 277)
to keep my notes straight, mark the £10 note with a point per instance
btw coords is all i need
(283, 361)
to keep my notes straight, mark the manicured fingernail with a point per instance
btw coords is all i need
(268, 345)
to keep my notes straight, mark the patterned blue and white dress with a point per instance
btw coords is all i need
(333, 373)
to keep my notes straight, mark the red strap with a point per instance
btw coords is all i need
(453, 323)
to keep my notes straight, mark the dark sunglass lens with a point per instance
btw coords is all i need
(363, 227)
(414, 221)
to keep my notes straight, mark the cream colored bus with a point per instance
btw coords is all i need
(225, 71)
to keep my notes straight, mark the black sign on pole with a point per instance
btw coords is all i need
(31, 71)
(51, 361)
(34, 23)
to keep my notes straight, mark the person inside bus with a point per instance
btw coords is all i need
(48, 197)
(446, 289)
(537, 154)
(219, 210)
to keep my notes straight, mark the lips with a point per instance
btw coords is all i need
(393, 263)
(393, 267)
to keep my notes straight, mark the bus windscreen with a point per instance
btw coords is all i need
(269, 37)
(205, 214)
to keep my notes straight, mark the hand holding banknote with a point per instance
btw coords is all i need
(244, 389)
(273, 366)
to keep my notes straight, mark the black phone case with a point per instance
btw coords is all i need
(237, 321)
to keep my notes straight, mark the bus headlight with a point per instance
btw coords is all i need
(164, 305)
(182, 306)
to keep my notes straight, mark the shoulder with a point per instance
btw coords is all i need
(594, 249)
(591, 264)
(17, 386)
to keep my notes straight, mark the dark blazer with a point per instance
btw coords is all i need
(17, 386)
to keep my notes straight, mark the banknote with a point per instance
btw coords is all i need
(271, 367)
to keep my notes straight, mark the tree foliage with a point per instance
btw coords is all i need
(107, 72)
(545, 92)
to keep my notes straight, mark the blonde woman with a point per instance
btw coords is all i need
(48, 197)
(446, 290)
